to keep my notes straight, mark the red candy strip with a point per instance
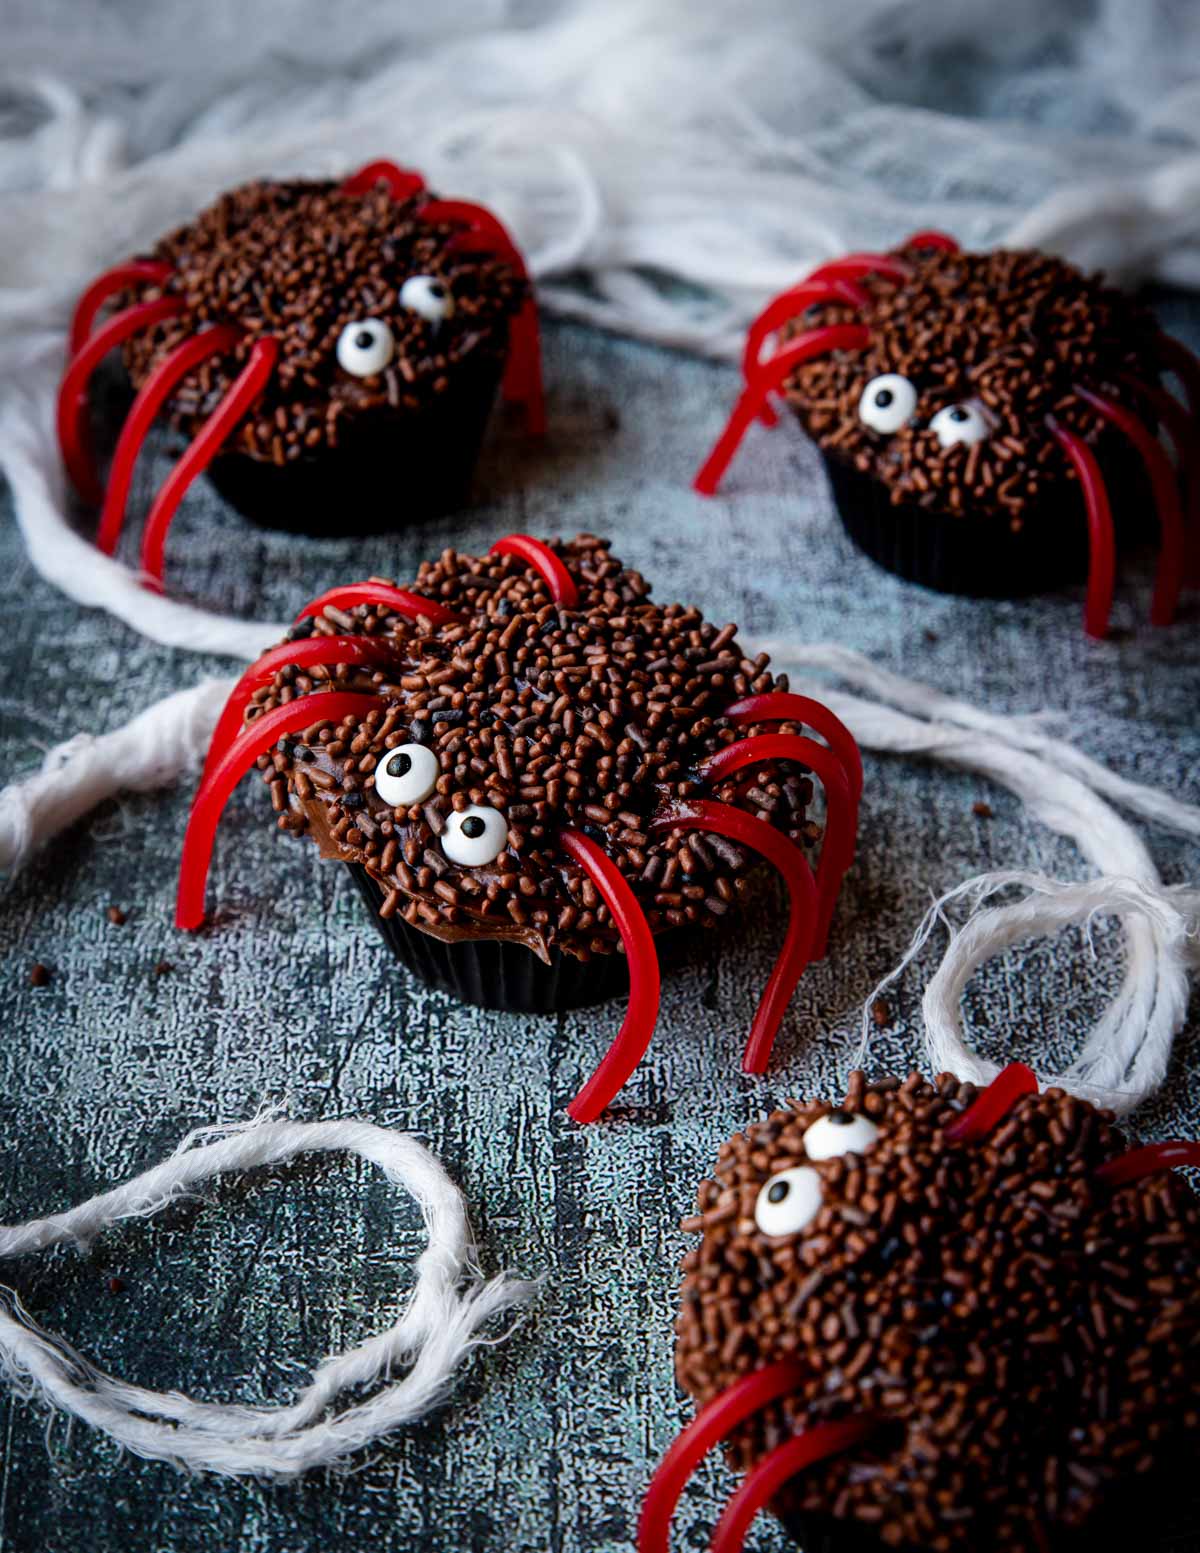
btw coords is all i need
(1102, 569)
(534, 553)
(411, 605)
(789, 305)
(641, 1016)
(1182, 432)
(712, 1423)
(486, 233)
(324, 650)
(767, 1477)
(837, 849)
(72, 394)
(856, 266)
(1178, 359)
(1169, 577)
(153, 394)
(137, 272)
(1149, 1161)
(204, 447)
(785, 706)
(994, 1104)
(218, 783)
(771, 375)
(931, 239)
(402, 183)
(724, 820)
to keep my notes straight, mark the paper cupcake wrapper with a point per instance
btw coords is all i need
(390, 467)
(488, 973)
(978, 554)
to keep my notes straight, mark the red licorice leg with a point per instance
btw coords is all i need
(932, 239)
(324, 650)
(1149, 1161)
(641, 1016)
(712, 1423)
(402, 183)
(534, 553)
(856, 266)
(72, 393)
(724, 820)
(1102, 570)
(767, 1477)
(771, 375)
(486, 233)
(1169, 576)
(785, 307)
(994, 1104)
(218, 783)
(205, 446)
(138, 272)
(837, 849)
(413, 606)
(1176, 357)
(785, 706)
(154, 392)
(1183, 432)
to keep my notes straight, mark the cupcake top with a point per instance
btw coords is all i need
(946, 406)
(1028, 1337)
(521, 717)
(372, 306)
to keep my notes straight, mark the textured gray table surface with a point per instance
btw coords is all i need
(548, 1440)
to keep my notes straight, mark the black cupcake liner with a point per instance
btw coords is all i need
(979, 555)
(491, 974)
(389, 468)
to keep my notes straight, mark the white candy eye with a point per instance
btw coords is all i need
(887, 402)
(474, 835)
(968, 422)
(365, 347)
(428, 297)
(837, 1133)
(407, 774)
(788, 1201)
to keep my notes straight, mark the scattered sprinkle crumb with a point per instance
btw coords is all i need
(982, 810)
(931, 635)
(163, 968)
(612, 421)
(39, 975)
(116, 1285)
(117, 917)
(881, 1013)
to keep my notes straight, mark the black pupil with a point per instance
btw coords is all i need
(399, 765)
(777, 1191)
(473, 827)
(436, 289)
(959, 414)
(883, 397)
(364, 339)
(840, 1118)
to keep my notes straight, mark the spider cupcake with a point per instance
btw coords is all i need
(329, 351)
(536, 772)
(987, 419)
(927, 1319)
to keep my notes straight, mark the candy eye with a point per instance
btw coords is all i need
(428, 297)
(968, 422)
(365, 347)
(474, 835)
(407, 774)
(887, 402)
(789, 1201)
(837, 1133)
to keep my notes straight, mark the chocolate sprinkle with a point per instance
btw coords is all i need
(1028, 1337)
(594, 717)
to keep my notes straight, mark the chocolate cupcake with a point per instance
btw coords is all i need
(930, 1320)
(539, 777)
(330, 352)
(962, 402)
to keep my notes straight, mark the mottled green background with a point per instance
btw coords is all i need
(548, 1440)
